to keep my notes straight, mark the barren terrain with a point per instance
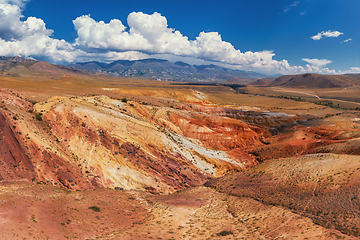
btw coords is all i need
(89, 156)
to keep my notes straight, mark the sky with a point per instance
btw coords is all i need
(273, 37)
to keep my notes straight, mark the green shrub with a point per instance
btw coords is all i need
(95, 208)
(38, 117)
(225, 233)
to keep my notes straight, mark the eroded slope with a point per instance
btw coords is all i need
(142, 140)
(97, 141)
(323, 187)
(161, 145)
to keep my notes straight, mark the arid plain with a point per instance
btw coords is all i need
(86, 156)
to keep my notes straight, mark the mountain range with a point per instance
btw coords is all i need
(164, 70)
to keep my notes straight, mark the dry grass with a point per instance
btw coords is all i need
(323, 187)
(309, 197)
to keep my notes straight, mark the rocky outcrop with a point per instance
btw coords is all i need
(14, 162)
(118, 150)
(23, 159)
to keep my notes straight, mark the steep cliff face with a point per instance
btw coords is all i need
(213, 131)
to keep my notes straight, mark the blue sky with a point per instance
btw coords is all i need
(265, 36)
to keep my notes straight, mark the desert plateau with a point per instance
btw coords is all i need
(93, 156)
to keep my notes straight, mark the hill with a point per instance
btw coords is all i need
(24, 67)
(322, 187)
(164, 70)
(312, 80)
(262, 82)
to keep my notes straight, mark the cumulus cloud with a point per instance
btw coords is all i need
(151, 34)
(148, 33)
(29, 37)
(316, 66)
(99, 35)
(351, 70)
(355, 69)
(11, 28)
(328, 33)
(317, 62)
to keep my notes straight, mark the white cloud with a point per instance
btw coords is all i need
(110, 56)
(354, 70)
(317, 62)
(332, 34)
(294, 4)
(14, 2)
(347, 40)
(328, 33)
(148, 33)
(29, 37)
(99, 35)
(11, 28)
(288, 8)
(317, 36)
(316, 66)
(351, 70)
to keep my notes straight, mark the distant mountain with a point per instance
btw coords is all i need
(312, 80)
(16, 59)
(19, 66)
(164, 70)
(12, 63)
(262, 82)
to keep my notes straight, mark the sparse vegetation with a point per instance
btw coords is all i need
(38, 117)
(95, 208)
(225, 233)
(299, 99)
(179, 143)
